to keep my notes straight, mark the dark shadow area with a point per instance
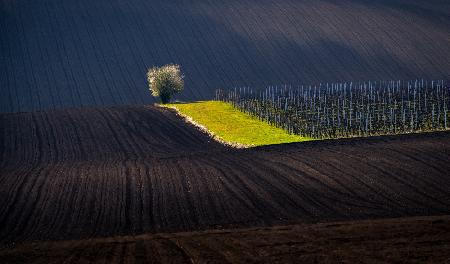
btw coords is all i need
(95, 53)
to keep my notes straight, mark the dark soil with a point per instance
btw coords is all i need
(72, 53)
(407, 240)
(85, 173)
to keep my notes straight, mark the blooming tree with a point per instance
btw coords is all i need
(165, 81)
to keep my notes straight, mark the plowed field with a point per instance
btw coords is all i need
(404, 240)
(81, 173)
(72, 53)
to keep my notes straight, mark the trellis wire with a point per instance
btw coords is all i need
(348, 109)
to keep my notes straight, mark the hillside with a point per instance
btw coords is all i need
(58, 54)
(233, 127)
(97, 172)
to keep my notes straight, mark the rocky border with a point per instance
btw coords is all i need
(204, 129)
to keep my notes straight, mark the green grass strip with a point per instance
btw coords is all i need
(234, 126)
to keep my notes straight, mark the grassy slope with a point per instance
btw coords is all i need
(234, 126)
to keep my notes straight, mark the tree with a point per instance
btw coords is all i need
(165, 81)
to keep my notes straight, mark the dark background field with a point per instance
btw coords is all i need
(56, 54)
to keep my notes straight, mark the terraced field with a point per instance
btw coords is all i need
(96, 172)
(57, 54)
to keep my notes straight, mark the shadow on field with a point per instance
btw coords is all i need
(95, 53)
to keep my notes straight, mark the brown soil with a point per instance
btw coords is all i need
(407, 240)
(75, 174)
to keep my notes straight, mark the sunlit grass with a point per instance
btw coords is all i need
(234, 126)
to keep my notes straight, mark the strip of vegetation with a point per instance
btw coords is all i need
(348, 109)
(233, 126)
